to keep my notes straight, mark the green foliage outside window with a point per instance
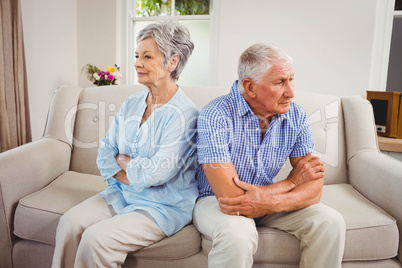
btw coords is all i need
(149, 8)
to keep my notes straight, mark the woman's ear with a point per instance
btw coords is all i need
(249, 87)
(174, 60)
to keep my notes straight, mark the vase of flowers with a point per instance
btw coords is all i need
(102, 78)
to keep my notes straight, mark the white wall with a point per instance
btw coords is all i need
(50, 36)
(60, 38)
(96, 35)
(338, 47)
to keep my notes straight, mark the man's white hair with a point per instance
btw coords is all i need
(257, 60)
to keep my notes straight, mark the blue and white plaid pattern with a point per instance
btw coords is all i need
(229, 131)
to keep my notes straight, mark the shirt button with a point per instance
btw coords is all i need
(258, 175)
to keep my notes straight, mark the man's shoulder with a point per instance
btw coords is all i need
(297, 117)
(296, 111)
(222, 105)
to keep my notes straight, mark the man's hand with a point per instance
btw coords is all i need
(255, 203)
(306, 168)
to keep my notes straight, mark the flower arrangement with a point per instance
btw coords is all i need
(102, 78)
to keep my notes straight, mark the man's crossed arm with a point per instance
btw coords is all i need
(301, 189)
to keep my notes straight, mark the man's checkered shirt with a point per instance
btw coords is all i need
(229, 131)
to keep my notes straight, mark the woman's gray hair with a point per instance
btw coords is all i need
(257, 60)
(171, 38)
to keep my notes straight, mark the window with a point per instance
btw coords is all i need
(195, 15)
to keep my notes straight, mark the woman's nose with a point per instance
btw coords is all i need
(138, 63)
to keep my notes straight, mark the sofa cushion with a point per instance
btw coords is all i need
(371, 233)
(38, 214)
(183, 244)
(95, 112)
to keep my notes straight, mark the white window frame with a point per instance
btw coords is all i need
(132, 18)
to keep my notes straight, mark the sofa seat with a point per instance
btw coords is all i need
(45, 207)
(372, 225)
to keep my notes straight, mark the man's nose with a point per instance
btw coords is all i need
(289, 90)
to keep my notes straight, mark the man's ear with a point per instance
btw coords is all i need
(249, 87)
(174, 60)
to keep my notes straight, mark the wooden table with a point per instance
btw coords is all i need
(390, 144)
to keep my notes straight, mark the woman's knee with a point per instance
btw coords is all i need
(69, 222)
(93, 238)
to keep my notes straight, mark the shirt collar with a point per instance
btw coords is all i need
(243, 108)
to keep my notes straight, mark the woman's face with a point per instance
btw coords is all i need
(149, 64)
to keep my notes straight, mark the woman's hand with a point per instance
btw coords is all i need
(121, 176)
(123, 160)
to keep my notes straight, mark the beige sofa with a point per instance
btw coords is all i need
(41, 180)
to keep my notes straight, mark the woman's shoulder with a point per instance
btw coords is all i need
(183, 102)
(139, 96)
(134, 100)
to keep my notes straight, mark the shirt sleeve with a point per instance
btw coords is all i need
(108, 150)
(304, 142)
(176, 151)
(213, 136)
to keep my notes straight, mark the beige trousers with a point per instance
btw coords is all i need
(320, 229)
(91, 234)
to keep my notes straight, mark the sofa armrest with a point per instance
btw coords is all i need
(375, 175)
(61, 117)
(25, 170)
(379, 178)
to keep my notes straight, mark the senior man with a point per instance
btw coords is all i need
(244, 139)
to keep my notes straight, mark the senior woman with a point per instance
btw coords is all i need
(147, 158)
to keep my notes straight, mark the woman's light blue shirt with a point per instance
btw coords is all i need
(162, 171)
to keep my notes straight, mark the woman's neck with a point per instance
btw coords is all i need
(161, 94)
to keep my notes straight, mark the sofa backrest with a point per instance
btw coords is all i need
(98, 105)
(96, 109)
(327, 124)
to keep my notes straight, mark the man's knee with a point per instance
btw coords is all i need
(238, 236)
(331, 225)
(336, 223)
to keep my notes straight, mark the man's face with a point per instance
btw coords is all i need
(275, 91)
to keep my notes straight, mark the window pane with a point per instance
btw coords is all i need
(149, 8)
(196, 72)
(191, 7)
(398, 5)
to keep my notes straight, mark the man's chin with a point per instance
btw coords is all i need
(285, 108)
